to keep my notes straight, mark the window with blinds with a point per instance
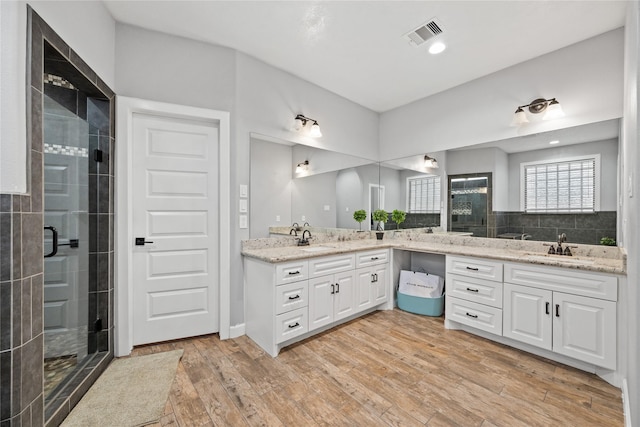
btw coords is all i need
(566, 186)
(424, 194)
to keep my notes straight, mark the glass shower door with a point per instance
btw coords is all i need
(66, 221)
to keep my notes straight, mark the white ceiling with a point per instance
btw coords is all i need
(356, 48)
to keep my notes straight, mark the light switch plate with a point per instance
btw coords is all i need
(243, 221)
(243, 205)
(244, 190)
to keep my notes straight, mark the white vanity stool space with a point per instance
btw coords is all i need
(569, 314)
(293, 300)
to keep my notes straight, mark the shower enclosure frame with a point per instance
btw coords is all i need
(101, 214)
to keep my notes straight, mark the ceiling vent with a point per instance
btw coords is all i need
(424, 32)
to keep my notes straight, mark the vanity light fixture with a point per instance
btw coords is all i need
(537, 106)
(302, 167)
(430, 162)
(300, 122)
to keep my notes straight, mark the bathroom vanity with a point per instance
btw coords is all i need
(290, 301)
(561, 307)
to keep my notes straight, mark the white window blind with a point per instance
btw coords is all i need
(562, 186)
(424, 194)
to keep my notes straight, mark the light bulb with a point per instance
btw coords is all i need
(519, 118)
(436, 48)
(315, 130)
(554, 111)
(297, 125)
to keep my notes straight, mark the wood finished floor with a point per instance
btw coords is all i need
(389, 368)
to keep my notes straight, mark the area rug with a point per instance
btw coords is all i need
(132, 391)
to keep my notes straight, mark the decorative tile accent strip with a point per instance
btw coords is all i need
(474, 190)
(461, 208)
(57, 81)
(65, 150)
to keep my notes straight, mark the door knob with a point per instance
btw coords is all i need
(140, 241)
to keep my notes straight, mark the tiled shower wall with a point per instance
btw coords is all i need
(21, 259)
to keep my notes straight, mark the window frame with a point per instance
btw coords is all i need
(408, 192)
(597, 182)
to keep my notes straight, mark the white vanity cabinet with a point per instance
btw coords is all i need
(372, 278)
(332, 296)
(567, 311)
(289, 301)
(474, 293)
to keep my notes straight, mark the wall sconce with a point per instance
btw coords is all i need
(302, 167)
(300, 122)
(430, 162)
(537, 106)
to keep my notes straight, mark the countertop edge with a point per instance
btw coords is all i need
(293, 253)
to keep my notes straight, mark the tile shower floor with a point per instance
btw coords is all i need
(56, 370)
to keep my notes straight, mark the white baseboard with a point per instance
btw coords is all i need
(625, 403)
(236, 331)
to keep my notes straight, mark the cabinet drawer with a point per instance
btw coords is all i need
(292, 272)
(476, 290)
(330, 265)
(476, 315)
(475, 267)
(365, 259)
(292, 296)
(291, 324)
(566, 280)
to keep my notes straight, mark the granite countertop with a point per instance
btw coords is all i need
(602, 259)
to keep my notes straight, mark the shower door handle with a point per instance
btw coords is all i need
(140, 241)
(54, 249)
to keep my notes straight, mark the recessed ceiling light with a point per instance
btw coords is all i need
(554, 142)
(436, 48)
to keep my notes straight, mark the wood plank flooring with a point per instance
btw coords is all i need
(389, 368)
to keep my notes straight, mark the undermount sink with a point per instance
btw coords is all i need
(316, 248)
(559, 258)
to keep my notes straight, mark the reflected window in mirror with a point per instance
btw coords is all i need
(424, 194)
(566, 186)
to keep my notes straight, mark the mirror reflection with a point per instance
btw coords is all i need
(293, 183)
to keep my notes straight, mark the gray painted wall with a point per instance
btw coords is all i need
(270, 187)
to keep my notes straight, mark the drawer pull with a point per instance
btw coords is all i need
(296, 297)
(557, 310)
(294, 326)
(472, 290)
(475, 316)
(293, 273)
(473, 268)
(546, 308)
(373, 258)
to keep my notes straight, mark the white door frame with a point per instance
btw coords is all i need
(381, 197)
(125, 109)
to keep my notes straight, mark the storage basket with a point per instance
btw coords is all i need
(421, 305)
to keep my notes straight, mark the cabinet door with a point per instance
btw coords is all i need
(380, 286)
(321, 291)
(585, 328)
(344, 299)
(364, 295)
(527, 315)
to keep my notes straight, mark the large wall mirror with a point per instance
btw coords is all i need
(327, 189)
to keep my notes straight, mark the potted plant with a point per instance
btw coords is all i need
(381, 216)
(360, 215)
(608, 241)
(398, 217)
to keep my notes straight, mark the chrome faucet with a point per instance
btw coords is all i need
(304, 241)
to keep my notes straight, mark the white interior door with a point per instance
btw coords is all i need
(175, 208)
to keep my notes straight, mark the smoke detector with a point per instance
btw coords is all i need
(424, 32)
